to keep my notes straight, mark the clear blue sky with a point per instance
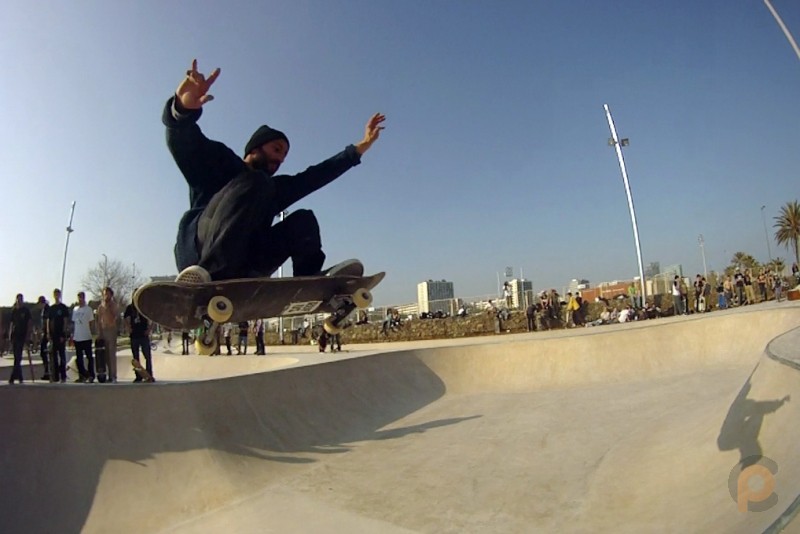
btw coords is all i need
(495, 150)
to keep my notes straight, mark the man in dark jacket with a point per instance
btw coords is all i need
(228, 231)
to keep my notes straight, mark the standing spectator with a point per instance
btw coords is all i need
(507, 294)
(244, 326)
(796, 273)
(258, 329)
(139, 332)
(530, 315)
(762, 285)
(727, 289)
(184, 342)
(107, 316)
(57, 326)
(750, 295)
(43, 342)
(336, 342)
(738, 281)
(555, 306)
(698, 293)
(677, 301)
(494, 316)
(387, 322)
(578, 313)
(777, 285)
(226, 333)
(632, 294)
(569, 314)
(83, 324)
(19, 334)
(322, 339)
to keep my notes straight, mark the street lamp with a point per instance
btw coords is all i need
(703, 252)
(766, 234)
(105, 271)
(66, 246)
(282, 216)
(618, 144)
(783, 27)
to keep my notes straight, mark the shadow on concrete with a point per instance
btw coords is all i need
(743, 423)
(58, 440)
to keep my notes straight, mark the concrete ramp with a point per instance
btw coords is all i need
(629, 428)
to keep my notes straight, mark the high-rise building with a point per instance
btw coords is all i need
(653, 269)
(521, 293)
(433, 296)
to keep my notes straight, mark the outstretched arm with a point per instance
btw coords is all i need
(201, 160)
(293, 188)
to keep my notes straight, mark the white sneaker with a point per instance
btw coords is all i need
(194, 274)
(350, 267)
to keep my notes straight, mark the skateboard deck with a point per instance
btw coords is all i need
(183, 306)
(140, 371)
(100, 358)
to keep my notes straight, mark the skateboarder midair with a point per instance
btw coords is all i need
(227, 231)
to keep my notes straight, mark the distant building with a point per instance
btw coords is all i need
(521, 293)
(407, 309)
(577, 285)
(433, 296)
(652, 270)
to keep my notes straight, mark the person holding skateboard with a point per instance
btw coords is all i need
(228, 231)
(19, 334)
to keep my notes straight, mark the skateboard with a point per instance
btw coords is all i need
(187, 306)
(100, 358)
(140, 371)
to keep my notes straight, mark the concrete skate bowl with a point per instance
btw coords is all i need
(630, 428)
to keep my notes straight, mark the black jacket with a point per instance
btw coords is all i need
(209, 165)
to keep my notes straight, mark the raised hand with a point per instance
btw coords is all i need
(371, 132)
(193, 90)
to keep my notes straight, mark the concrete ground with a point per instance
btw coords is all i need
(641, 427)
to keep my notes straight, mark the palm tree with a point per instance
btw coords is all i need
(788, 228)
(742, 261)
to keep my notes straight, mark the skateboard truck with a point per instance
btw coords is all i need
(218, 311)
(344, 305)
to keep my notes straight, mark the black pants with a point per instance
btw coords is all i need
(143, 343)
(43, 353)
(228, 344)
(58, 361)
(19, 347)
(260, 349)
(237, 239)
(531, 322)
(84, 348)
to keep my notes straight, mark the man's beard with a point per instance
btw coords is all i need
(261, 162)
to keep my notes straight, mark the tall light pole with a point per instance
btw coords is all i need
(784, 28)
(282, 216)
(105, 272)
(66, 246)
(703, 252)
(618, 144)
(766, 234)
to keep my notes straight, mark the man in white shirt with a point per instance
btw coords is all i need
(83, 324)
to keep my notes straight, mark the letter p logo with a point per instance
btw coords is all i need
(753, 487)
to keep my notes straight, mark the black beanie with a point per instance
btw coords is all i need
(264, 134)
